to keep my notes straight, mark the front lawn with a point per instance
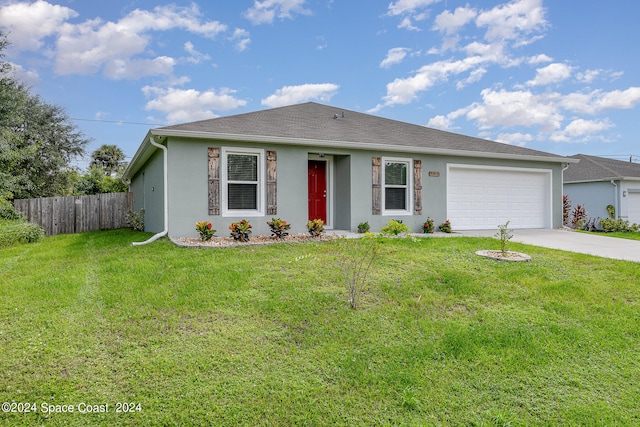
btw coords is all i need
(631, 235)
(264, 335)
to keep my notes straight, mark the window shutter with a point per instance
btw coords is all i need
(214, 180)
(417, 187)
(272, 183)
(376, 178)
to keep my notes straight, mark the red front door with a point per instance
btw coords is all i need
(317, 180)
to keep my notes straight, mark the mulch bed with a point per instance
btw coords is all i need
(223, 242)
(507, 256)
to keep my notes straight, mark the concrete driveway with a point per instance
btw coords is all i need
(567, 240)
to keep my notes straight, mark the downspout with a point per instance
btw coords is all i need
(615, 198)
(166, 198)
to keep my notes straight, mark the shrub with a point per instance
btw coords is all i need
(135, 220)
(279, 228)
(504, 234)
(611, 210)
(445, 227)
(428, 226)
(240, 230)
(19, 231)
(579, 216)
(612, 225)
(355, 258)
(7, 211)
(363, 227)
(394, 228)
(315, 227)
(205, 229)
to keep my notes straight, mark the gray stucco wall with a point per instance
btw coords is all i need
(148, 193)
(351, 192)
(594, 196)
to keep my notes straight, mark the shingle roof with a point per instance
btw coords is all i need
(592, 168)
(317, 122)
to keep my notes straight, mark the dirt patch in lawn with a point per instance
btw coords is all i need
(506, 256)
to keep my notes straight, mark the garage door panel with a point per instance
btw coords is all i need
(494, 196)
(634, 207)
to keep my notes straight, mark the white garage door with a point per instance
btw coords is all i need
(484, 197)
(634, 206)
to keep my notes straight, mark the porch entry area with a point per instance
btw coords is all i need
(328, 190)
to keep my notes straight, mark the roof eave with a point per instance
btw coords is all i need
(145, 151)
(356, 145)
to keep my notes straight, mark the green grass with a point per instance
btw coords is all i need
(264, 335)
(630, 235)
(15, 231)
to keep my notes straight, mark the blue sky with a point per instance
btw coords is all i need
(560, 76)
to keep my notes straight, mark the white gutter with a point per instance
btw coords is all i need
(166, 197)
(355, 145)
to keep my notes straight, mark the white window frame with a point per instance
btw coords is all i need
(260, 202)
(409, 187)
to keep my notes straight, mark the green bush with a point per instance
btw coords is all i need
(7, 210)
(279, 228)
(19, 231)
(135, 219)
(364, 227)
(612, 225)
(315, 227)
(428, 226)
(445, 227)
(394, 227)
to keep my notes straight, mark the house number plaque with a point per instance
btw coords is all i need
(433, 173)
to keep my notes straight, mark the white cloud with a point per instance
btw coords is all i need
(28, 77)
(410, 10)
(242, 39)
(552, 73)
(186, 105)
(115, 47)
(394, 56)
(403, 91)
(118, 49)
(523, 108)
(29, 23)
(539, 59)
(588, 76)
(579, 130)
(402, 7)
(475, 76)
(449, 23)
(517, 138)
(440, 122)
(513, 21)
(597, 101)
(195, 56)
(264, 12)
(295, 94)
(517, 108)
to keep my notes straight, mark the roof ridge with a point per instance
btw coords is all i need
(595, 161)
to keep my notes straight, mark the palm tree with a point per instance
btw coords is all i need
(108, 158)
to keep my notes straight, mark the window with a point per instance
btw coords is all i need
(242, 182)
(396, 184)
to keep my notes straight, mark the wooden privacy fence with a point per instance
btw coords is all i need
(76, 214)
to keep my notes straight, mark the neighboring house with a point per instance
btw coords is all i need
(596, 182)
(309, 161)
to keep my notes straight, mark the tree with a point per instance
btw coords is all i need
(94, 181)
(38, 141)
(109, 158)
